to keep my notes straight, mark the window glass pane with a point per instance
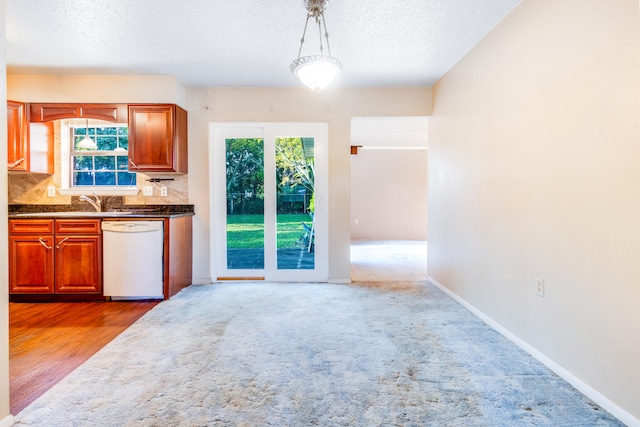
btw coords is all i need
(106, 131)
(83, 163)
(105, 163)
(83, 178)
(105, 178)
(122, 163)
(107, 143)
(126, 178)
(123, 142)
(77, 141)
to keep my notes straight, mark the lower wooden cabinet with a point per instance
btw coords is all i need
(62, 256)
(31, 264)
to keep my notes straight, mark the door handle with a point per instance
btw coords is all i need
(43, 243)
(61, 242)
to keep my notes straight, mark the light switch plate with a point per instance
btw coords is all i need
(147, 190)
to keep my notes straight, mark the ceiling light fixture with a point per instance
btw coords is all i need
(316, 71)
(87, 143)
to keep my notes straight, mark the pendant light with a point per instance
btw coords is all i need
(87, 143)
(316, 71)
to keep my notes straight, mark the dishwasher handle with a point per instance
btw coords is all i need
(132, 226)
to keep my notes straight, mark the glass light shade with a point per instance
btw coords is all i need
(87, 143)
(316, 71)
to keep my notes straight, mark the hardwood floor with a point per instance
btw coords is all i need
(49, 340)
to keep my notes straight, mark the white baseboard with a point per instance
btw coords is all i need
(339, 281)
(7, 421)
(201, 281)
(584, 388)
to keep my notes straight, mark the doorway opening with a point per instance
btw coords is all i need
(389, 198)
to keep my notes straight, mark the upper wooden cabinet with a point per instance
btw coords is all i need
(39, 113)
(18, 137)
(30, 145)
(157, 134)
(157, 138)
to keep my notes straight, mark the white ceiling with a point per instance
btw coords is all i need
(246, 42)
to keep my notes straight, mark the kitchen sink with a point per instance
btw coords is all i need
(75, 214)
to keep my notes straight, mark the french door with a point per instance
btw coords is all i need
(269, 202)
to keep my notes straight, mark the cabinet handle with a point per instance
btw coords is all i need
(43, 243)
(134, 165)
(16, 163)
(61, 242)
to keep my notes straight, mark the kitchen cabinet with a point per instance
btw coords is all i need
(40, 113)
(30, 145)
(178, 250)
(157, 138)
(55, 257)
(31, 257)
(78, 261)
(18, 137)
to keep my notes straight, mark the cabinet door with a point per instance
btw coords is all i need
(17, 138)
(78, 264)
(157, 138)
(31, 264)
(55, 111)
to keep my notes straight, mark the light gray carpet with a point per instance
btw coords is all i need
(260, 354)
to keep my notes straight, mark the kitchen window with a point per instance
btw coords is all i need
(105, 166)
(99, 170)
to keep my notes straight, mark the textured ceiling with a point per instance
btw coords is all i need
(246, 42)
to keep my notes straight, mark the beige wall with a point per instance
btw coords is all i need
(96, 88)
(533, 173)
(5, 419)
(389, 195)
(336, 107)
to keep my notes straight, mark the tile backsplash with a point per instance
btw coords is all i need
(29, 188)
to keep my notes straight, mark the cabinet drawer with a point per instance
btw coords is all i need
(77, 226)
(31, 226)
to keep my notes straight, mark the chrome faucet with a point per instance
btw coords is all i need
(95, 201)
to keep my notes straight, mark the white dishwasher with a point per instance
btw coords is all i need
(132, 259)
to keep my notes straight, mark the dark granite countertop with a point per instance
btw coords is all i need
(86, 211)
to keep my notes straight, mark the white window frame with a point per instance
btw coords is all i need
(66, 169)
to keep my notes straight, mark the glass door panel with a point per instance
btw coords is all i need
(245, 203)
(295, 227)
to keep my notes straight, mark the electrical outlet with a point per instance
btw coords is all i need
(147, 190)
(51, 191)
(540, 287)
(163, 191)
